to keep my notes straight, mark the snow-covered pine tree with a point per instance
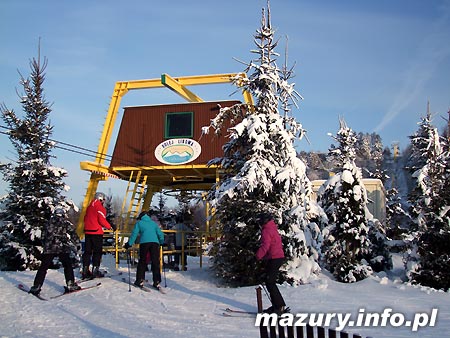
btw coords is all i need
(369, 155)
(161, 202)
(363, 152)
(262, 173)
(111, 214)
(353, 240)
(397, 218)
(432, 234)
(377, 156)
(417, 160)
(35, 186)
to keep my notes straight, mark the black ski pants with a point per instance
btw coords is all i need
(93, 246)
(47, 261)
(154, 250)
(272, 270)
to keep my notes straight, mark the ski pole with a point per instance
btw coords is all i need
(129, 274)
(161, 261)
(267, 293)
(164, 271)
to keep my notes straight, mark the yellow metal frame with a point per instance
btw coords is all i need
(99, 171)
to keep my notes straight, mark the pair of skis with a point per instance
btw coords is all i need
(83, 280)
(27, 290)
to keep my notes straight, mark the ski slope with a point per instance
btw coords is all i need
(194, 304)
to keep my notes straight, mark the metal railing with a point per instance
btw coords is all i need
(193, 243)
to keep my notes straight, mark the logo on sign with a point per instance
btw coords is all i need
(178, 151)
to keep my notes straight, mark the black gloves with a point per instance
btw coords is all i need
(126, 246)
(113, 226)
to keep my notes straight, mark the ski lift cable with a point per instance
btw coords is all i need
(85, 151)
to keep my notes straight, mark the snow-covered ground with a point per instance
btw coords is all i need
(194, 304)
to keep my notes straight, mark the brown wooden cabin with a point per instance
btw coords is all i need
(143, 128)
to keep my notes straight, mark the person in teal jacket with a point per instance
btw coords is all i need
(151, 237)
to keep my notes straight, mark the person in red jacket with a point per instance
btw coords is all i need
(94, 222)
(271, 251)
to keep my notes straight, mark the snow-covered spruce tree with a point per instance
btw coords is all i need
(417, 159)
(377, 158)
(432, 234)
(369, 155)
(397, 218)
(161, 203)
(354, 242)
(35, 185)
(262, 174)
(111, 214)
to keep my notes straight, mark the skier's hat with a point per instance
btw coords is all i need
(263, 218)
(100, 196)
(59, 212)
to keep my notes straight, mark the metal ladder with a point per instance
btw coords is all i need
(136, 186)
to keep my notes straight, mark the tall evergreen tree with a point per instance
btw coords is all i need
(353, 243)
(397, 218)
(369, 155)
(420, 143)
(161, 202)
(416, 160)
(377, 156)
(111, 213)
(431, 236)
(262, 173)
(35, 186)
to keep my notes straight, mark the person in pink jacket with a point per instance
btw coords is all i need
(271, 251)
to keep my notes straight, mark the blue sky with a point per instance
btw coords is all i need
(374, 63)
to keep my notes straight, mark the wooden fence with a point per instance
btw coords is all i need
(303, 332)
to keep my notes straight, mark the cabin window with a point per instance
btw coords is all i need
(179, 125)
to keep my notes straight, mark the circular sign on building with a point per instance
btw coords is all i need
(178, 151)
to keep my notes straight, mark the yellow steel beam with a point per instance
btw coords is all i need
(247, 97)
(140, 84)
(93, 166)
(206, 79)
(166, 167)
(122, 86)
(174, 85)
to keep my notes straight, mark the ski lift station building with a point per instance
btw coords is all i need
(159, 147)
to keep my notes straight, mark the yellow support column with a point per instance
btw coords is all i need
(119, 91)
(149, 196)
(101, 152)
